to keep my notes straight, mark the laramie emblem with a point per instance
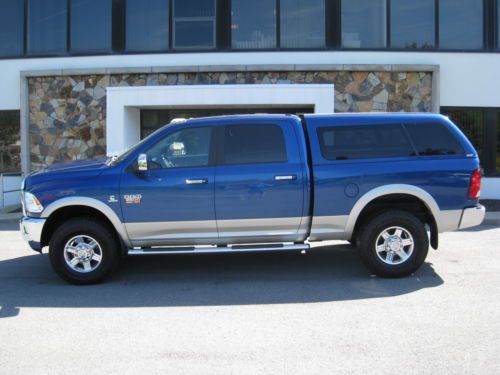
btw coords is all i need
(132, 198)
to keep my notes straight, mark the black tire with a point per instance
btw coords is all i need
(107, 247)
(369, 239)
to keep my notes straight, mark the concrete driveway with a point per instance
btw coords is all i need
(319, 313)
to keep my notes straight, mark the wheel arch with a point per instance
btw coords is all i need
(77, 207)
(358, 213)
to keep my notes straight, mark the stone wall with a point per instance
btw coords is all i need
(67, 114)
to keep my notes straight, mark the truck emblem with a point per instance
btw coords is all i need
(132, 198)
(112, 199)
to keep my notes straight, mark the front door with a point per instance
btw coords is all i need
(173, 202)
(259, 184)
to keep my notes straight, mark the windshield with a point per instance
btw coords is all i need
(117, 159)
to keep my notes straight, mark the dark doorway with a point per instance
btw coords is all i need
(152, 119)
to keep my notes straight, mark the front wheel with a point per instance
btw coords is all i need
(83, 251)
(393, 244)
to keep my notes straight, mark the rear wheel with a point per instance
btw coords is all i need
(83, 251)
(393, 244)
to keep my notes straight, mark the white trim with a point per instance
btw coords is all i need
(124, 103)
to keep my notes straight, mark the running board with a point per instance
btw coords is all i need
(216, 250)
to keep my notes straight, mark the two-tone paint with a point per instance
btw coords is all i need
(306, 197)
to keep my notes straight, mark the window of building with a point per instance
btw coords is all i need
(253, 24)
(434, 139)
(147, 25)
(461, 24)
(91, 25)
(364, 141)
(47, 21)
(302, 23)
(194, 24)
(10, 142)
(11, 28)
(413, 24)
(253, 144)
(182, 149)
(497, 159)
(364, 23)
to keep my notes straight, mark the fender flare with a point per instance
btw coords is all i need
(380, 191)
(92, 203)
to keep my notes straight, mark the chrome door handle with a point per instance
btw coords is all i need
(285, 177)
(196, 181)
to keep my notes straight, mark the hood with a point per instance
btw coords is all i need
(76, 166)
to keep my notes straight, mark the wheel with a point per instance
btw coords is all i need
(393, 244)
(83, 251)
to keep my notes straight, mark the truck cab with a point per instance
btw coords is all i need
(260, 183)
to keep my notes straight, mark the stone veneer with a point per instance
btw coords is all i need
(67, 114)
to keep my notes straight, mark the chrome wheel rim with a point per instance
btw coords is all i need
(83, 254)
(394, 245)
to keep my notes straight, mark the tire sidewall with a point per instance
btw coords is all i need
(87, 227)
(384, 221)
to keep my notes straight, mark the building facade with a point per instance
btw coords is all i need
(88, 78)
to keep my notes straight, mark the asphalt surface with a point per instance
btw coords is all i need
(319, 313)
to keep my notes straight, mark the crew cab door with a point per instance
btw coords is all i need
(173, 201)
(259, 183)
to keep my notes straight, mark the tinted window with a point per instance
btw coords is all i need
(251, 144)
(46, 26)
(366, 141)
(434, 139)
(194, 24)
(147, 25)
(364, 23)
(184, 148)
(461, 24)
(90, 25)
(253, 24)
(11, 28)
(412, 23)
(302, 23)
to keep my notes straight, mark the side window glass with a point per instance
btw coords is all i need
(184, 148)
(253, 144)
(434, 139)
(364, 141)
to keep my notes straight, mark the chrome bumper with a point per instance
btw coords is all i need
(472, 216)
(31, 230)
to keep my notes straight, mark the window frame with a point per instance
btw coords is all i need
(174, 20)
(220, 144)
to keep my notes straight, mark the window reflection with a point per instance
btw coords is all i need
(96, 13)
(302, 23)
(147, 25)
(11, 28)
(461, 24)
(253, 24)
(47, 26)
(364, 23)
(194, 24)
(413, 24)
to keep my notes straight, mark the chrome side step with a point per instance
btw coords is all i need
(216, 250)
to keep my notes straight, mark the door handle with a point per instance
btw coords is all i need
(285, 177)
(196, 181)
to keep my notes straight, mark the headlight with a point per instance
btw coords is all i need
(32, 204)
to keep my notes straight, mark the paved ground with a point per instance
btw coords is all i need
(245, 314)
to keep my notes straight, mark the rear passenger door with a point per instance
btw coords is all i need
(259, 182)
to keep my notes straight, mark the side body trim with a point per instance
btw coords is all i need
(93, 203)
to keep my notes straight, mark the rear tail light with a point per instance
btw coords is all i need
(475, 185)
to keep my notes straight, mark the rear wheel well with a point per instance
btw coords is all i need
(402, 202)
(70, 212)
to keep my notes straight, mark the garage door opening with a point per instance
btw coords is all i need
(152, 119)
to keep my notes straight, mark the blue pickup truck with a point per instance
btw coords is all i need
(387, 183)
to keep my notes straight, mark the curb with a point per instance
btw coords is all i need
(492, 218)
(10, 218)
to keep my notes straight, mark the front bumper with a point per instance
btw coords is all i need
(472, 216)
(31, 230)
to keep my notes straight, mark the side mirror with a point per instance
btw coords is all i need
(142, 162)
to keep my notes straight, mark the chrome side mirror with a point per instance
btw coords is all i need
(142, 162)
